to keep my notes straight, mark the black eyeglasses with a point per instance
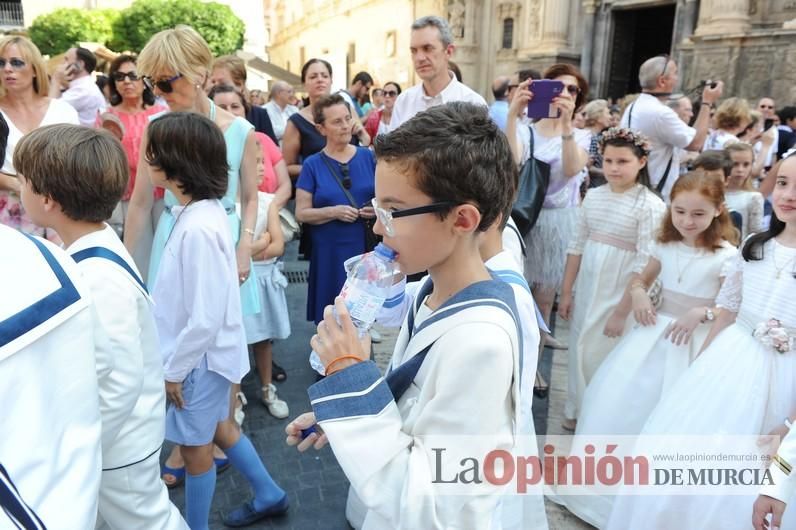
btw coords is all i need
(390, 93)
(16, 64)
(120, 76)
(164, 85)
(346, 176)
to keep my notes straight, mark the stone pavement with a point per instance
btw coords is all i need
(315, 484)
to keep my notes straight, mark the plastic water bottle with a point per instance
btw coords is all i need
(370, 277)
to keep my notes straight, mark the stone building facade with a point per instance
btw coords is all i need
(749, 44)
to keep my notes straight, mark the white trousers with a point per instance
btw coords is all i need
(135, 497)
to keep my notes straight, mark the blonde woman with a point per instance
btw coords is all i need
(731, 118)
(175, 64)
(25, 106)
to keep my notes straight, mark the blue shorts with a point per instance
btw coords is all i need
(206, 397)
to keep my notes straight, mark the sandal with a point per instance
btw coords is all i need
(278, 373)
(239, 414)
(177, 472)
(540, 388)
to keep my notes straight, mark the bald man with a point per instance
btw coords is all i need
(500, 108)
(279, 107)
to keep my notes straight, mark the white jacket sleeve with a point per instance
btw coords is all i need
(467, 390)
(783, 479)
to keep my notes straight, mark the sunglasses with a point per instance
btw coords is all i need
(390, 93)
(761, 106)
(573, 90)
(665, 63)
(346, 177)
(120, 76)
(164, 85)
(16, 64)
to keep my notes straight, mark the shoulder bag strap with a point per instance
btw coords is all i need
(340, 182)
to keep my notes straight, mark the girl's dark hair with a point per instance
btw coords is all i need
(720, 229)
(310, 63)
(753, 248)
(115, 97)
(189, 149)
(229, 89)
(643, 174)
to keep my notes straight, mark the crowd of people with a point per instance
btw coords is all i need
(664, 232)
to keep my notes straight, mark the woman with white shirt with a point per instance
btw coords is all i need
(557, 143)
(25, 106)
(731, 118)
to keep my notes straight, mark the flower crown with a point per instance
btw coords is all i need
(626, 135)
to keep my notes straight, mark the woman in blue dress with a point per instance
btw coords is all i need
(338, 230)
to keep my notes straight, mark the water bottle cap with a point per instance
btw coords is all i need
(385, 251)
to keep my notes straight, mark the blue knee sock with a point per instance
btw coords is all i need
(245, 459)
(198, 497)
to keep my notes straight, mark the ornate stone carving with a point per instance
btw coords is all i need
(534, 18)
(456, 12)
(508, 10)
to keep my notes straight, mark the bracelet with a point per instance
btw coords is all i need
(249, 231)
(638, 284)
(341, 358)
(569, 136)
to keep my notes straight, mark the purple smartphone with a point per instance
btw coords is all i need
(544, 91)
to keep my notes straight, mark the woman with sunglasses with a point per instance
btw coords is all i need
(558, 143)
(379, 120)
(25, 106)
(333, 194)
(133, 103)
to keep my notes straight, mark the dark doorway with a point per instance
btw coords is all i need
(638, 35)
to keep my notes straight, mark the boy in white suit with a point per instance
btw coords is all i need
(50, 422)
(72, 178)
(442, 179)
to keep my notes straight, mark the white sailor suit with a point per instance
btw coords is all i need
(783, 484)
(131, 389)
(467, 384)
(49, 419)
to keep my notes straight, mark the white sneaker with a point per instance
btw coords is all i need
(375, 336)
(239, 414)
(276, 407)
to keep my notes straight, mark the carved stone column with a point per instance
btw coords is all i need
(554, 26)
(589, 19)
(721, 17)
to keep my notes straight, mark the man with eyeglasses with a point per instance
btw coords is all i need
(431, 45)
(73, 83)
(667, 133)
(767, 110)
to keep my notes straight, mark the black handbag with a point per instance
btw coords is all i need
(371, 239)
(531, 189)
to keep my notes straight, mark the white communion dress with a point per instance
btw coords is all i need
(740, 385)
(645, 364)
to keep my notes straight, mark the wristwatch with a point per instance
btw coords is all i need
(710, 316)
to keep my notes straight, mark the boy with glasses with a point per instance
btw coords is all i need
(443, 179)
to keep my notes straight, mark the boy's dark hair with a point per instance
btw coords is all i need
(713, 160)
(84, 170)
(363, 78)
(786, 114)
(189, 149)
(88, 58)
(456, 153)
(323, 103)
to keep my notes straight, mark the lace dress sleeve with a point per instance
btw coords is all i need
(730, 295)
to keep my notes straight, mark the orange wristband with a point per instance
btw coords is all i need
(341, 358)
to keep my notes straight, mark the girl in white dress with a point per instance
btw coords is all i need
(744, 382)
(616, 227)
(691, 251)
(740, 194)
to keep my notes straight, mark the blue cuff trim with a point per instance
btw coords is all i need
(354, 391)
(395, 300)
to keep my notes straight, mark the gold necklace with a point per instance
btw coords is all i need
(774, 259)
(677, 261)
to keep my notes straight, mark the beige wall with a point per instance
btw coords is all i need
(379, 31)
